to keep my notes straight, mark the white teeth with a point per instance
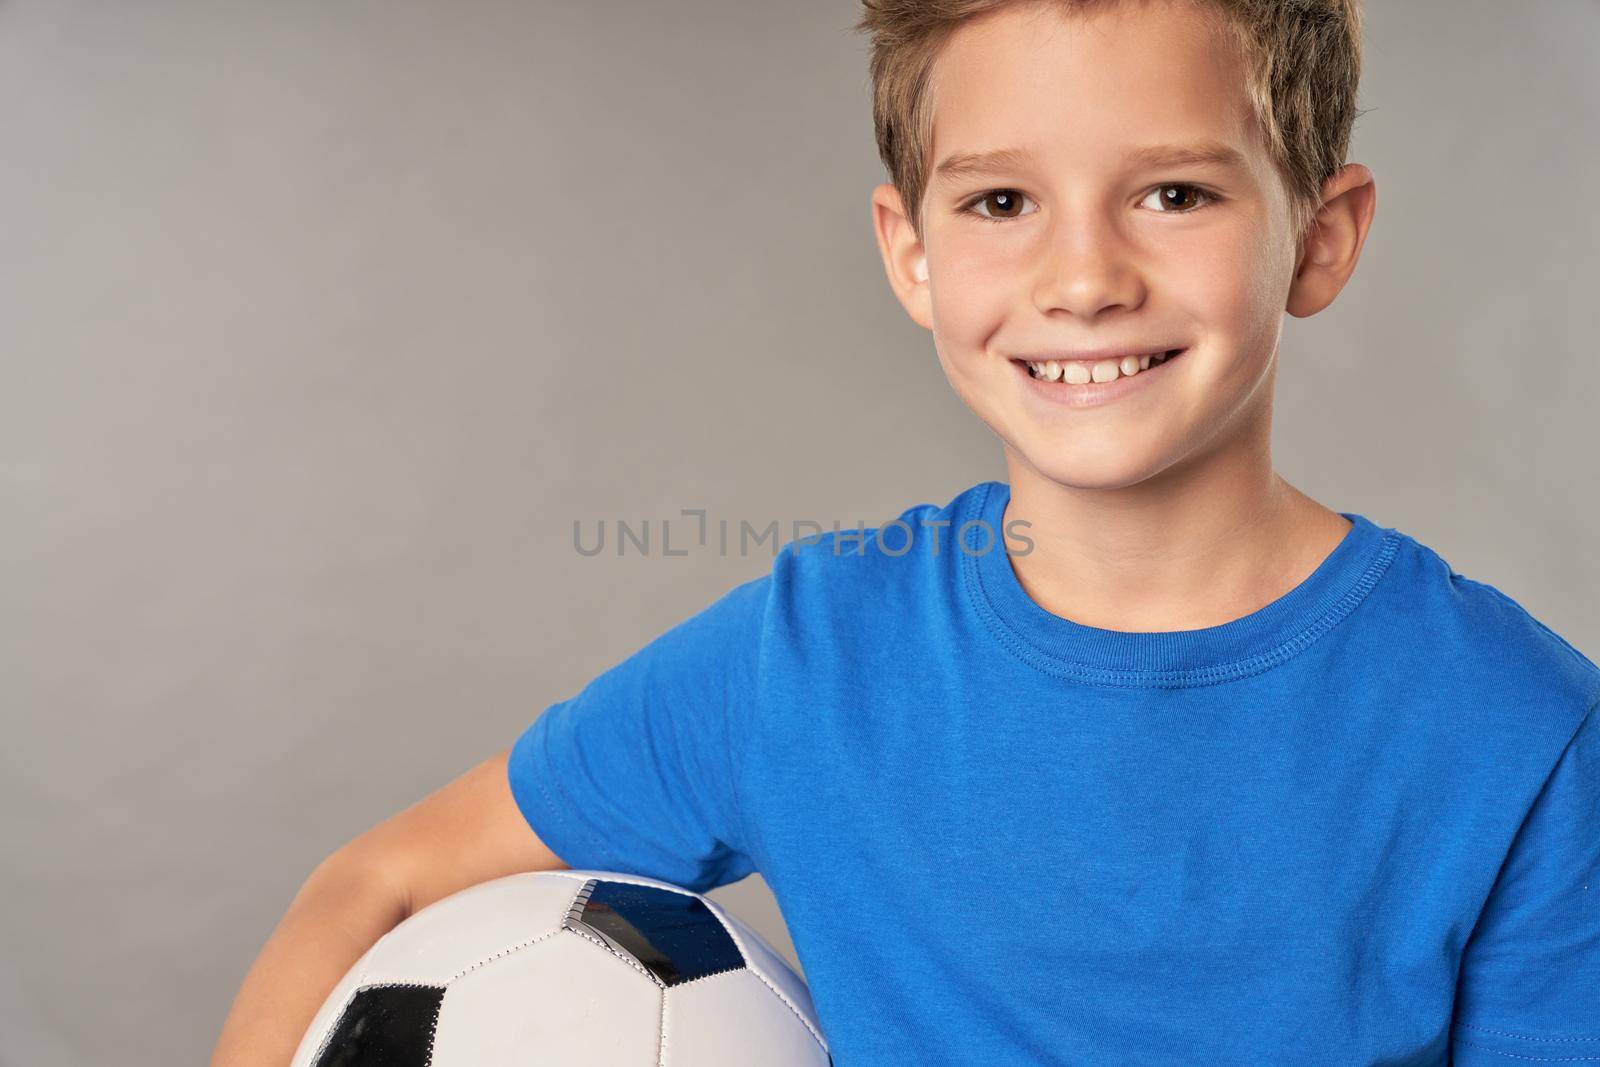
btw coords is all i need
(1077, 372)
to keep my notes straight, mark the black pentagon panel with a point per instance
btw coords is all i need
(384, 1026)
(672, 935)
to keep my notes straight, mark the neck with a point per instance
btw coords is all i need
(1205, 542)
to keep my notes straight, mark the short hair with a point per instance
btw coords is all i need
(1302, 57)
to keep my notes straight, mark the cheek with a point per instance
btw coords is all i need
(1228, 284)
(973, 287)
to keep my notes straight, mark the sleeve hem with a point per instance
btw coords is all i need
(546, 809)
(1488, 1047)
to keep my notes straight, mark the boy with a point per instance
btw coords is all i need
(1205, 772)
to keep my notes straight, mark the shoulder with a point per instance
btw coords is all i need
(1485, 642)
(879, 566)
(880, 550)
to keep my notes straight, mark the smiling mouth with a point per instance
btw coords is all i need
(1079, 372)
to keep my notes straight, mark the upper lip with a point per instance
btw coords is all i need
(1093, 355)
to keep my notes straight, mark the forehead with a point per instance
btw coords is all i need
(1072, 87)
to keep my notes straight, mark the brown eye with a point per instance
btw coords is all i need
(998, 205)
(1005, 200)
(1179, 199)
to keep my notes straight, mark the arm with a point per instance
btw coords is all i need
(634, 774)
(468, 832)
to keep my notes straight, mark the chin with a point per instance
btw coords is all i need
(1108, 468)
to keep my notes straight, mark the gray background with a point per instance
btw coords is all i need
(322, 322)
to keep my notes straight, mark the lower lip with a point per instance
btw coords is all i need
(1093, 394)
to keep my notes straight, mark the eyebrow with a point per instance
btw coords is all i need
(1202, 153)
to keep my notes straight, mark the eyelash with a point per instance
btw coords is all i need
(1209, 199)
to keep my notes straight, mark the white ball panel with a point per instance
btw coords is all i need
(764, 961)
(565, 1000)
(733, 1019)
(467, 928)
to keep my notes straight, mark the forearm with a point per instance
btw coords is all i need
(340, 911)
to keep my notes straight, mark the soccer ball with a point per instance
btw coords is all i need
(571, 967)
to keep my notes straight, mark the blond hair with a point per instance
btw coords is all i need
(1302, 57)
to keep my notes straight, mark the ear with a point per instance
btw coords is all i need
(904, 259)
(1334, 242)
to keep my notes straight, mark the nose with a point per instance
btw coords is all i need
(1086, 268)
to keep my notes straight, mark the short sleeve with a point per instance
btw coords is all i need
(637, 772)
(1529, 986)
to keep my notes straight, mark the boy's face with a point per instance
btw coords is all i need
(1087, 247)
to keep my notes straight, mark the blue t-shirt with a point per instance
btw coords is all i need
(1358, 826)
